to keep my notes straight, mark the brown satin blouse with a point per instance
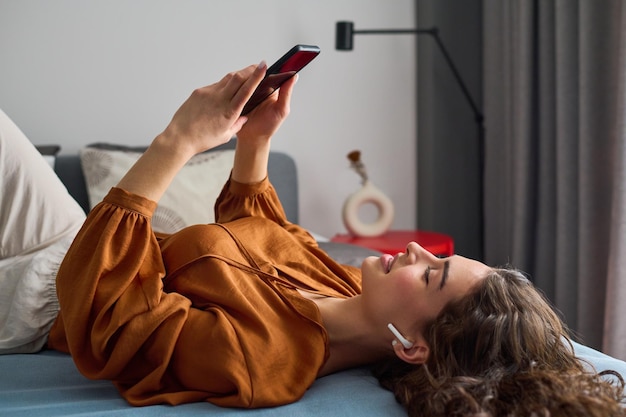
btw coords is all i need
(210, 313)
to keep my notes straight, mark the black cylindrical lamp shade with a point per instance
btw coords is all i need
(343, 36)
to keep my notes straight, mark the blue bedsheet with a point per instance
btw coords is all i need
(48, 384)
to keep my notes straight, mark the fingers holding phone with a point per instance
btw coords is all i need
(285, 68)
(253, 140)
(267, 118)
(239, 86)
(211, 114)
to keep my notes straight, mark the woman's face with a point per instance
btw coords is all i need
(411, 288)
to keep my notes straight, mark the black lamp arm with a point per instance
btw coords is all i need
(394, 31)
(477, 113)
(345, 32)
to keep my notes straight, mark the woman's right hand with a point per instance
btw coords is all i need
(211, 115)
(208, 118)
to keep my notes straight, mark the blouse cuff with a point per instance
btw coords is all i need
(133, 202)
(239, 188)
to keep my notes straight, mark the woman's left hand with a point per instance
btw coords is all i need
(253, 140)
(265, 120)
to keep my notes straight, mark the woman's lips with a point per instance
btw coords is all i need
(385, 261)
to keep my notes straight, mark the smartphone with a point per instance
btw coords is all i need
(283, 69)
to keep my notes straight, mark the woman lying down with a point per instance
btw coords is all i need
(248, 312)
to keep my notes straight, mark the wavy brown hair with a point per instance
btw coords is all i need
(502, 351)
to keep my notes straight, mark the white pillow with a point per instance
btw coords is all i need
(190, 197)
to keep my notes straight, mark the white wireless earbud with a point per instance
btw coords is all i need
(407, 344)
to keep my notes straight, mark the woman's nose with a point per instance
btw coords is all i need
(419, 251)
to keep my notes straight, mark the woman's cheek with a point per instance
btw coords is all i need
(407, 283)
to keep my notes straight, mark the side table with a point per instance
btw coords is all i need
(395, 241)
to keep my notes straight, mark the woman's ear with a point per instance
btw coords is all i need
(416, 355)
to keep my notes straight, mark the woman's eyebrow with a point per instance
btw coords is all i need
(446, 269)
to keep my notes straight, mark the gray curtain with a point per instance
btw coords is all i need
(555, 176)
(448, 168)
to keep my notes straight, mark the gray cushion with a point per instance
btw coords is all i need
(347, 254)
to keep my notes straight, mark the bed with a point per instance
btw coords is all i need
(48, 384)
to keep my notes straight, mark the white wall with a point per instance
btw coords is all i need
(74, 72)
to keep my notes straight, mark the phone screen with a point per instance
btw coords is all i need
(283, 69)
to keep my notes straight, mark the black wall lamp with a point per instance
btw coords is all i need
(344, 36)
(344, 41)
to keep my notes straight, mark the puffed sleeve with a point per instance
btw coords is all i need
(238, 200)
(111, 293)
